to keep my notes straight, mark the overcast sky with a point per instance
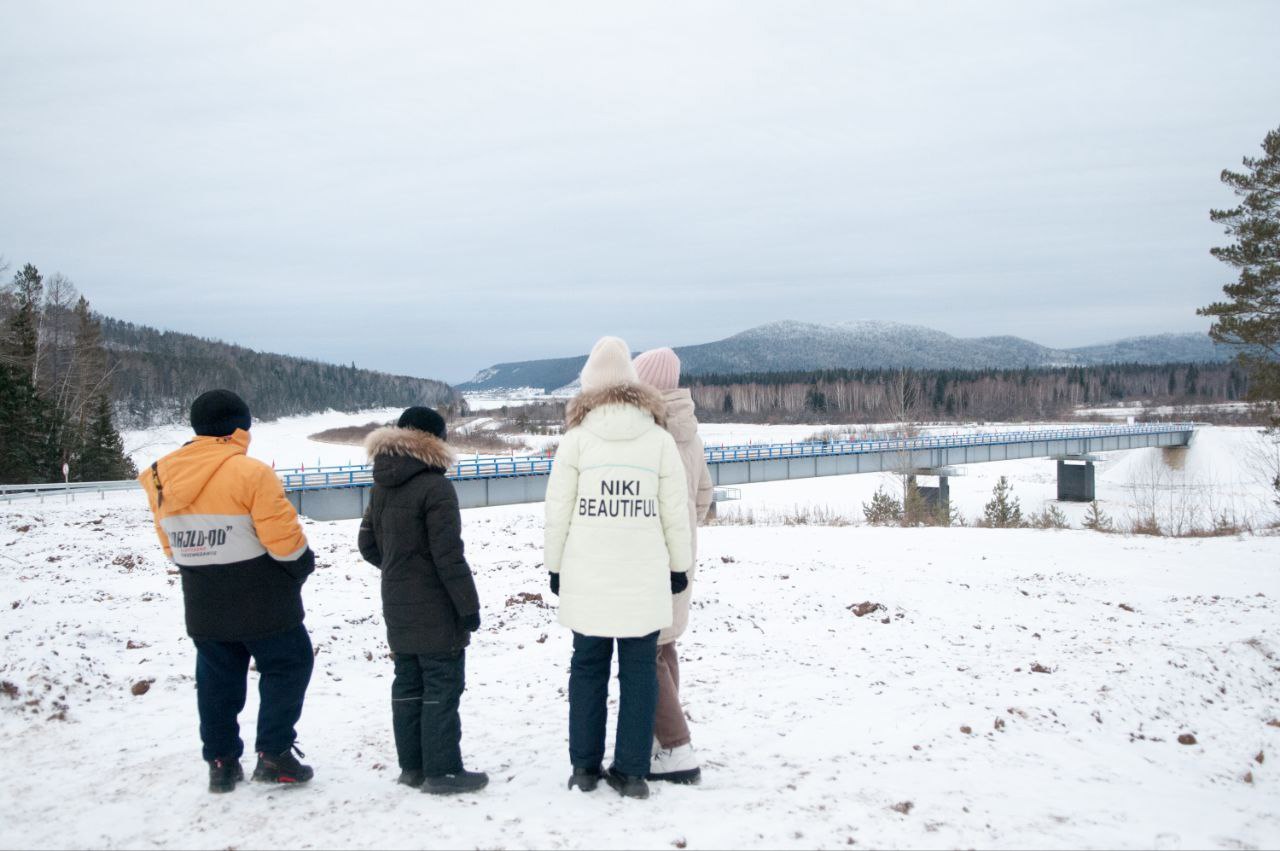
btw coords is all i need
(430, 188)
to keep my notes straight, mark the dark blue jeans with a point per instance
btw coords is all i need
(222, 669)
(424, 712)
(589, 700)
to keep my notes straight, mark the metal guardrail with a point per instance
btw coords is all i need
(749, 452)
(9, 493)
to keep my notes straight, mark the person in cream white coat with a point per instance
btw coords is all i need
(617, 548)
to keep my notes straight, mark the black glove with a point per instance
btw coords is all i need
(679, 582)
(471, 622)
(555, 583)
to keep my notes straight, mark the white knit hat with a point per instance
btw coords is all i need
(609, 364)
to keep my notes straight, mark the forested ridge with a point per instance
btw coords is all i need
(901, 395)
(156, 374)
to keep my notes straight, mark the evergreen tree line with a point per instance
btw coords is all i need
(906, 395)
(55, 386)
(156, 374)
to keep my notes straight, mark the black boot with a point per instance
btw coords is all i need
(585, 778)
(224, 774)
(410, 778)
(628, 787)
(282, 768)
(453, 784)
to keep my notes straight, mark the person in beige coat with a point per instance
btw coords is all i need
(617, 548)
(673, 758)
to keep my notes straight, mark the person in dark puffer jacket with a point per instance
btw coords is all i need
(412, 532)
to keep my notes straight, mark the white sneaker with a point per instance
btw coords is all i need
(675, 765)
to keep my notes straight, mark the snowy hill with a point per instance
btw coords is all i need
(794, 346)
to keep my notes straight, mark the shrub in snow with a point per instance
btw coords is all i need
(1004, 511)
(883, 510)
(1050, 518)
(1097, 519)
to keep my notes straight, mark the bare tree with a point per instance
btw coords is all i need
(56, 352)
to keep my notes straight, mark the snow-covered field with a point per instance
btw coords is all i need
(1018, 688)
(813, 723)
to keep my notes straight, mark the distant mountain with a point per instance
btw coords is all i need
(1161, 348)
(156, 374)
(788, 346)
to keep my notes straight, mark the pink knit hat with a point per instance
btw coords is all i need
(659, 368)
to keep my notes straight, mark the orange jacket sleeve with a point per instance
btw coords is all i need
(275, 519)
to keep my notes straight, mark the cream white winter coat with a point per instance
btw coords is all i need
(683, 426)
(617, 519)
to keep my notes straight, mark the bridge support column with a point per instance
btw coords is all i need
(1075, 481)
(934, 498)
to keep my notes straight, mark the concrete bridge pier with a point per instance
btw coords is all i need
(1076, 481)
(938, 497)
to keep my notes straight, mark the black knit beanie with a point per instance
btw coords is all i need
(423, 419)
(218, 413)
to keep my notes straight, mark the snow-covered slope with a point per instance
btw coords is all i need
(1018, 689)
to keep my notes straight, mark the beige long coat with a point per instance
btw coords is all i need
(683, 426)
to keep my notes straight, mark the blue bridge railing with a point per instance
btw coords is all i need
(495, 467)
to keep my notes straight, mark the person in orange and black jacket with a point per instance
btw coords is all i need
(412, 532)
(224, 520)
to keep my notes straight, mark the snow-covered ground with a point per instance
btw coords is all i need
(813, 723)
(1074, 660)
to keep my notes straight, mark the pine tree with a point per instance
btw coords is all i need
(1096, 519)
(1250, 319)
(21, 344)
(883, 510)
(28, 447)
(1004, 511)
(101, 457)
(915, 510)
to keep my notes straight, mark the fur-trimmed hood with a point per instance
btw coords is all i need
(639, 396)
(399, 454)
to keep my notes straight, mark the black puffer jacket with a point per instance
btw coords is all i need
(413, 532)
